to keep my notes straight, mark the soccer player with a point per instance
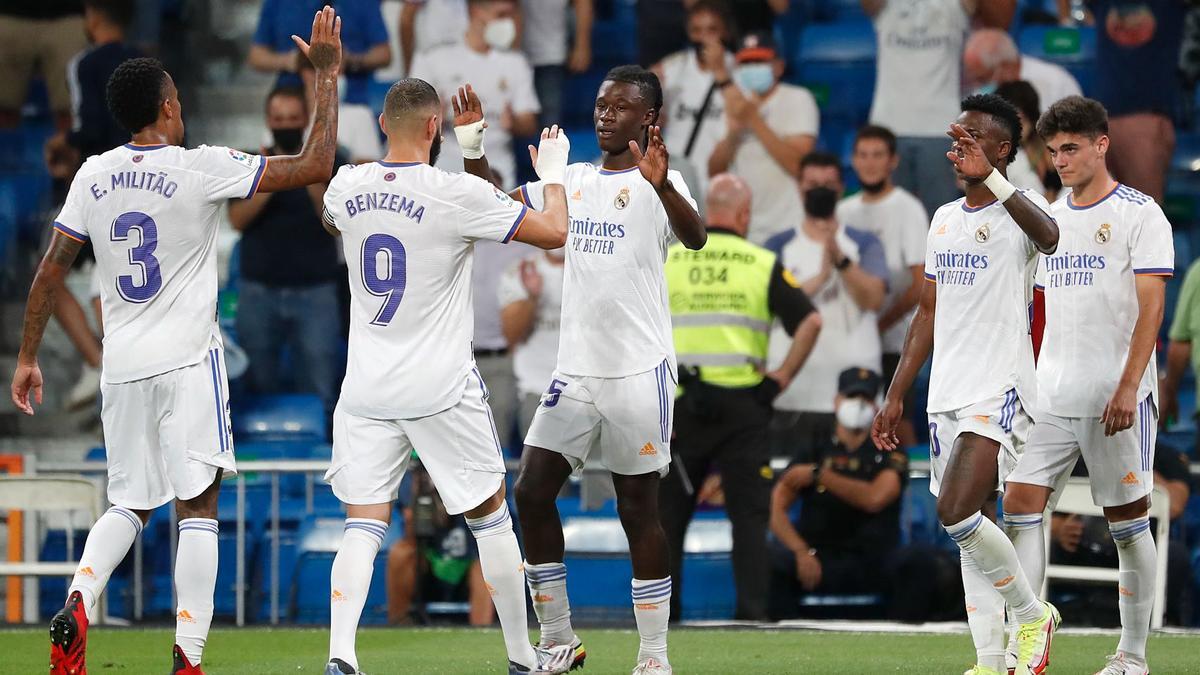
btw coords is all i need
(408, 231)
(979, 259)
(1096, 374)
(151, 209)
(614, 385)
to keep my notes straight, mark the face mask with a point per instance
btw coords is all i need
(757, 78)
(500, 33)
(820, 201)
(435, 149)
(288, 141)
(855, 413)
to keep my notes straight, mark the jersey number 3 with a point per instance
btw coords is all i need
(384, 275)
(140, 256)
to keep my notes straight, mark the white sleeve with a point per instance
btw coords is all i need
(510, 288)
(70, 220)
(334, 211)
(667, 235)
(490, 213)
(228, 173)
(534, 195)
(524, 97)
(1152, 245)
(916, 227)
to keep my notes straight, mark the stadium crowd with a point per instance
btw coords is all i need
(815, 507)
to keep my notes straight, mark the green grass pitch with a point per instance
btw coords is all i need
(470, 652)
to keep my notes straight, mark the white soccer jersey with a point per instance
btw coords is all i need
(152, 214)
(615, 317)
(408, 233)
(982, 263)
(1091, 298)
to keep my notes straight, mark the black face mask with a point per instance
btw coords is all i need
(435, 149)
(288, 141)
(820, 202)
(874, 188)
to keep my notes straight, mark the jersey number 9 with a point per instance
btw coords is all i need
(384, 278)
(140, 256)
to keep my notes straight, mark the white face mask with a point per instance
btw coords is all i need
(855, 413)
(500, 33)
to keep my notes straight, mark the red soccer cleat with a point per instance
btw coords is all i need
(68, 638)
(182, 667)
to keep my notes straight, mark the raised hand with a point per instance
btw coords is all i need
(467, 107)
(966, 155)
(653, 163)
(552, 133)
(324, 48)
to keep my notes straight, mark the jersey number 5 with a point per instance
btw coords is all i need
(140, 256)
(384, 279)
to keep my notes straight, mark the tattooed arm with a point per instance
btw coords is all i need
(46, 285)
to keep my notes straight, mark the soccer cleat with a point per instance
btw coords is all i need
(340, 667)
(68, 638)
(651, 666)
(1124, 664)
(1033, 642)
(981, 670)
(550, 661)
(579, 654)
(183, 666)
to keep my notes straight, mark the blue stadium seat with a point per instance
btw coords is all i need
(281, 417)
(1071, 48)
(614, 35)
(836, 61)
(838, 10)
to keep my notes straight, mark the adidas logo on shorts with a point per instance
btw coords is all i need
(647, 449)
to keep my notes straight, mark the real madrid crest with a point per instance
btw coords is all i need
(982, 234)
(622, 199)
(1104, 234)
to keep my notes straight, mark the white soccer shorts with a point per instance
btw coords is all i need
(457, 446)
(1001, 418)
(1120, 467)
(167, 435)
(628, 418)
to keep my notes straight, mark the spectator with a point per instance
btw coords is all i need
(917, 82)
(1032, 168)
(771, 126)
(991, 59)
(44, 36)
(287, 294)
(93, 129)
(492, 348)
(500, 76)
(546, 42)
(847, 537)
(692, 79)
(1137, 51)
(530, 308)
(898, 219)
(722, 414)
(425, 24)
(365, 48)
(843, 270)
(1184, 329)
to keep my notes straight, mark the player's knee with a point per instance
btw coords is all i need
(951, 511)
(637, 511)
(1022, 498)
(528, 495)
(1130, 511)
(489, 506)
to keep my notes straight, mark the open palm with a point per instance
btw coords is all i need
(467, 107)
(966, 154)
(653, 163)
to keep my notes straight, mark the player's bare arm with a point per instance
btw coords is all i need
(685, 222)
(918, 344)
(469, 126)
(969, 158)
(40, 307)
(1120, 409)
(315, 162)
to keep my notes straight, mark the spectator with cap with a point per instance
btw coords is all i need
(365, 48)
(530, 293)
(39, 37)
(844, 272)
(770, 127)
(552, 52)
(991, 58)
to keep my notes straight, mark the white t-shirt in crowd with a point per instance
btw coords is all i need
(685, 86)
(502, 79)
(983, 264)
(900, 222)
(615, 317)
(545, 31)
(491, 261)
(1091, 298)
(534, 359)
(1051, 81)
(438, 22)
(408, 232)
(152, 213)
(919, 65)
(775, 201)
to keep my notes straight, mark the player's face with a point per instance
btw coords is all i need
(1076, 157)
(705, 27)
(873, 162)
(620, 116)
(991, 136)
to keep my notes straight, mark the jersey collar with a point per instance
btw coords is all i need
(145, 148)
(1083, 207)
(398, 164)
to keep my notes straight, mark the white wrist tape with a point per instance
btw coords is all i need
(999, 186)
(552, 158)
(470, 139)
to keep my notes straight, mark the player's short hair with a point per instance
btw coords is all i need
(877, 132)
(1022, 95)
(288, 91)
(647, 83)
(821, 159)
(119, 12)
(408, 96)
(1000, 110)
(1074, 115)
(135, 90)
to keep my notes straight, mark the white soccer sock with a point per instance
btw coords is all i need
(500, 560)
(350, 580)
(1029, 541)
(985, 615)
(980, 538)
(652, 610)
(106, 546)
(1136, 557)
(548, 588)
(195, 583)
